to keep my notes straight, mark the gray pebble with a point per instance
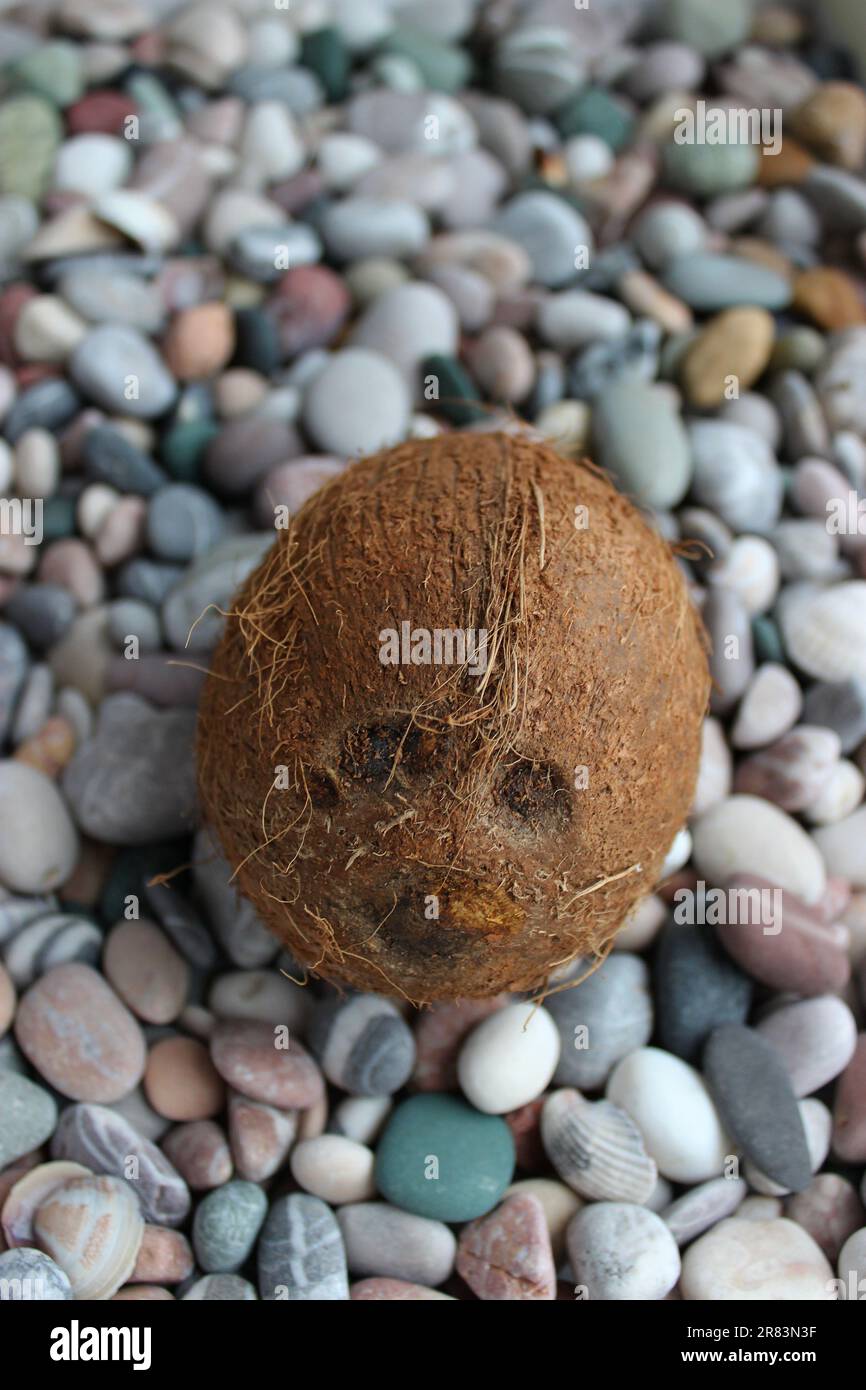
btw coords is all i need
(840, 706)
(28, 1114)
(14, 663)
(48, 405)
(814, 1038)
(30, 1276)
(550, 230)
(301, 1254)
(710, 283)
(840, 196)
(642, 442)
(110, 458)
(233, 919)
(105, 1141)
(356, 227)
(634, 356)
(600, 1020)
(297, 88)
(363, 1044)
(383, 1240)
(703, 1206)
(226, 1224)
(129, 617)
(43, 613)
(34, 703)
(134, 780)
(120, 370)
(732, 658)
(804, 428)
(221, 1288)
(183, 521)
(265, 253)
(118, 297)
(55, 939)
(148, 580)
(182, 923)
(736, 475)
(213, 579)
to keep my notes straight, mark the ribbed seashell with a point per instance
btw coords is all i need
(30, 1193)
(825, 631)
(46, 941)
(596, 1148)
(92, 1228)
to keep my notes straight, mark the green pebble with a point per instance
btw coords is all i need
(457, 398)
(707, 170)
(158, 114)
(181, 448)
(30, 132)
(473, 1153)
(443, 67)
(257, 341)
(324, 53)
(708, 283)
(768, 640)
(53, 71)
(595, 112)
(713, 27)
(640, 439)
(58, 518)
(800, 349)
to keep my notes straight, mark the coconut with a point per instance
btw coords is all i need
(453, 723)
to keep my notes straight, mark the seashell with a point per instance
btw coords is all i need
(28, 1195)
(92, 1228)
(793, 771)
(769, 708)
(825, 631)
(51, 940)
(596, 1148)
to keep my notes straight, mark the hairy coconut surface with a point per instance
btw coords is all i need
(451, 829)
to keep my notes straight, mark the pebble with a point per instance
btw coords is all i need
(79, 1036)
(7, 1000)
(253, 1058)
(103, 1139)
(670, 1104)
(337, 1169)
(756, 1260)
(226, 1224)
(38, 840)
(814, 1038)
(641, 441)
(509, 1058)
(180, 1081)
(703, 1207)
(798, 951)
(747, 835)
(221, 1288)
(596, 1148)
(407, 324)
(739, 339)
(852, 1264)
(301, 1255)
(231, 917)
(335, 404)
(840, 706)
(792, 772)
(549, 230)
(697, 988)
(92, 1228)
(757, 1105)
(575, 318)
(620, 1251)
(164, 1257)
(147, 972)
(264, 995)
(132, 782)
(200, 1153)
(28, 1115)
(28, 1275)
(260, 1137)
(710, 283)
(842, 847)
(115, 366)
(363, 1045)
(709, 170)
(602, 1020)
(668, 232)
(769, 707)
(474, 1158)
(508, 1255)
(830, 1210)
(384, 1241)
(849, 1117)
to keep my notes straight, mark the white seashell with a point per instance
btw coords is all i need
(770, 707)
(139, 217)
(747, 835)
(825, 634)
(596, 1148)
(751, 569)
(30, 1192)
(840, 795)
(92, 1228)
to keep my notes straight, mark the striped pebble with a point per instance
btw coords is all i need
(363, 1044)
(301, 1255)
(107, 1143)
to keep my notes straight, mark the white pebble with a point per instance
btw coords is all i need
(509, 1059)
(37, 464)
(334, 1168)
(673, 1110)
(764, 1261)
(843, 846)
(747, 835)
(619, 1251)
(769, 708)
(38, 840)
(361, 1117)
(587, 157)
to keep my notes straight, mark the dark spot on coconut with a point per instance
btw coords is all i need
(371, 752)
(536, 795)
(322, 788)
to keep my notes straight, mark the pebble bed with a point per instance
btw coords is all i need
(237, 242)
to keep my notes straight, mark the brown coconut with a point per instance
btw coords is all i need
(418, 829)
